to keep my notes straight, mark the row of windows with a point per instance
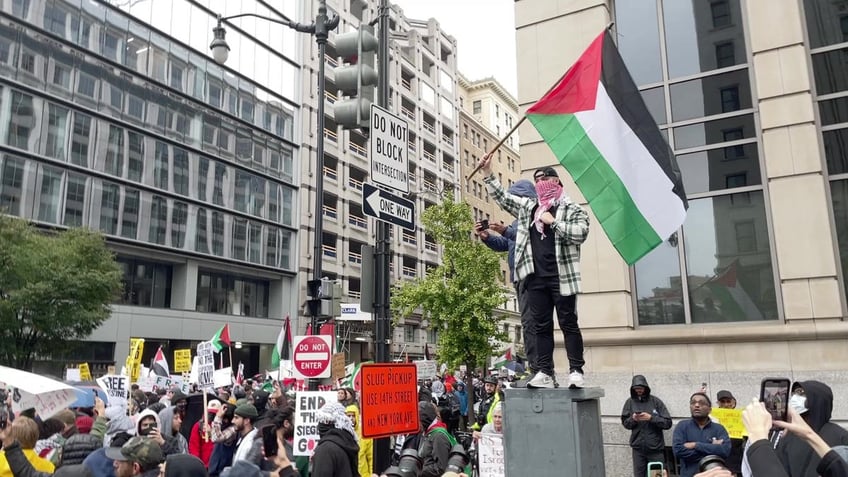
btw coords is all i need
(148, 283)
(52, 195)
(56, 132)
(119, 38)
(135, 100)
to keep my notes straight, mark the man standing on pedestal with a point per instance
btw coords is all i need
(551, 229)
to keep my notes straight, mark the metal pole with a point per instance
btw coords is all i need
(382, 449)
(321, 39)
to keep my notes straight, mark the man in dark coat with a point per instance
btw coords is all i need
(647, 417)
(813, 400)
(436, 444)
(337, 452)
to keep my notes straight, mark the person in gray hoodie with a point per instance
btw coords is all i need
(174, 442)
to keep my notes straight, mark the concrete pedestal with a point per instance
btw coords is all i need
(553, 432)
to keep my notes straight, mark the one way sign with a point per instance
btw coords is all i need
(390, 208)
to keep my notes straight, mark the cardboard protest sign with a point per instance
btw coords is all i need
(426, 369)
(117, 388)
(84, 372)
(305, 422)
(205, 365)
(491, 455)
(731, 419)
(134, 359)
(223, 377)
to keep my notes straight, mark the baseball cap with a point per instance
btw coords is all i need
(139, 449)
(724, 394)
(545, 172)
(213, 405)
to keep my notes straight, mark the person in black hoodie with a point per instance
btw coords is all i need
(647, 417)
(337, 452)
(813, 400)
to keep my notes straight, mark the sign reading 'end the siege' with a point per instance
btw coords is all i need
(389, 399)
(388, 149)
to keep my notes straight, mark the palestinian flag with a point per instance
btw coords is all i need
(160, 364)
(600, 130)
(283, 345)
(501, 361)
(221, 339)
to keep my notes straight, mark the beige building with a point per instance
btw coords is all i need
(478, 135)
(751, 95)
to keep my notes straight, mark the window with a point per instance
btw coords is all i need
(239, 238)
(729, 99)
(202, 178)
(271, 247)
(21, 122)
(135, 156)
(746, 237)
(232, 294)
(50, 195)
(86, 85)
(725, 54)
(721, 13)
(201, 243)
(409, 334)
(74, 200)
(57, 131)
(218, 234)
(129, 219)
(115, 152)
(145, 283)
(81, 139)
(109, 203)
(135, 107)
(178, 224)
(61, 75)
(181, 174)
(736, 180)
(11, 185)
(476, 107)
(160, 166)
(733, 152)
(158, 220)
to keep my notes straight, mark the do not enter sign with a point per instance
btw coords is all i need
(312, 356)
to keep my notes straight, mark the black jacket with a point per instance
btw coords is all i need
(435, 452)
(645, 436)
(336, 455)
(763, 461)
(797, 457)
(78, 447)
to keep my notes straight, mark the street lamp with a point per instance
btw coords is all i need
(320, 28)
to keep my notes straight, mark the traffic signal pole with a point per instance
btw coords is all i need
(382, 317)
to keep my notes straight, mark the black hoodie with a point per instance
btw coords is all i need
(336, 455)
(184, 465)
(797, 457)
(645, 436)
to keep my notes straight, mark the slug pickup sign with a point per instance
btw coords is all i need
(387, 207)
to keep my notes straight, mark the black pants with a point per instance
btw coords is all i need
(526, 331)
(641, 459)
(539, 296)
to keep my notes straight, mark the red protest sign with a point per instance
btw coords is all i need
(389, 399)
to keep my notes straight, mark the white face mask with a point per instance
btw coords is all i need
(798, 403)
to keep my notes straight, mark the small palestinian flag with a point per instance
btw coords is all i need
(597, 125)
(221, 339)
(160, 364)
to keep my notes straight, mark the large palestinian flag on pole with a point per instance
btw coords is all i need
(600, 130)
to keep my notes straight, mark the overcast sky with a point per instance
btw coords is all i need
(484, 32)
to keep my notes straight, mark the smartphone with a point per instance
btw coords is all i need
(484, 224)
(655, 469)
(774, 393)
(269, 440)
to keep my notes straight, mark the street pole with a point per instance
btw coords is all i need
(321, 34)
(382, 322)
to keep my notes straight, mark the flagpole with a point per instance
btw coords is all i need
(230, 349)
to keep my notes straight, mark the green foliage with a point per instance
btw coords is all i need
(459, 296)
(54, 288)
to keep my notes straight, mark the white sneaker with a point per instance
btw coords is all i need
(541, 380)
(575, 379)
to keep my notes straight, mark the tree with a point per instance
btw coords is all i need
(54, 288)
(459, 296)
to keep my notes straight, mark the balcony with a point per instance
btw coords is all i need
(409, 272)
(407, 85)
(448, 167)
(429, 127)
(328, 251)
(357, 221)
(331, 61)
(354, 257)
(330, 173)
(331, 136)
(355, 294)
(430, 246)
(407, 113)
(356, 148)
(429, 156)
(430, 187)
(412, 147)
(354, 184)
(409, 237)
(331, 98)
(331, 212)
(447, 139)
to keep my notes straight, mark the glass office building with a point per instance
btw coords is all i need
(113, 116)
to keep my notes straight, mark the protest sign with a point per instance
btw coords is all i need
(223, 377)
(426, 368)
(305, 422)
(731, 419)
(84, 372)
(134, 358)
(116, 388)
(205, 365)
(491, 454)
(72, 374)
(182, 360)
(338, 366)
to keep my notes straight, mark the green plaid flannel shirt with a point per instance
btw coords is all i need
(571, 227)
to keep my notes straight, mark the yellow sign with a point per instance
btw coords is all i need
(85, 373)
(134, 359)
(182, 360)
(731, 419)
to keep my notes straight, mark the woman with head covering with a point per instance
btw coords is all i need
(337, 452)
(366, 446)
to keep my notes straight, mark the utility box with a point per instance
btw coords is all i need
(553, 432)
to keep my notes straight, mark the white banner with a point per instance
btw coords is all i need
(491, 449)
(426, 369)
(206, 365)
(305, 423)
(223, 377)
(117, 388)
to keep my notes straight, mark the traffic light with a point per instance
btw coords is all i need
(357, 79)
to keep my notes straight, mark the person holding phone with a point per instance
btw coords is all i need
(646, 416)
(551, 229)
